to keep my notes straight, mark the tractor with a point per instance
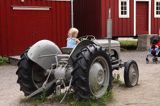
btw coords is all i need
(85, 70)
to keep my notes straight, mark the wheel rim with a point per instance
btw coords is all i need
(39, 76)
(133, 74)
(99, 77)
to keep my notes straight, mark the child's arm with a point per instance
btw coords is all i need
(77, 40)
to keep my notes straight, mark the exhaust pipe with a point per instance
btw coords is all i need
(109, 30)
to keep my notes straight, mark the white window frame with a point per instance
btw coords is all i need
(155, 10)
(128, 9)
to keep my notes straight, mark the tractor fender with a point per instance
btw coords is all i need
(78, 49)
(44, 53)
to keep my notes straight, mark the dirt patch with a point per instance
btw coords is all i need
(147, 93)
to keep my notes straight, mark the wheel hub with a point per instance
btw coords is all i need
(99, 77)
(133, 75)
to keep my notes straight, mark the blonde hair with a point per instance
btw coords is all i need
(72, 31)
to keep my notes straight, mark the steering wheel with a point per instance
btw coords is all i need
(87, 37)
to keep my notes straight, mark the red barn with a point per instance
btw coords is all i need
(130, 17)
(24, 22)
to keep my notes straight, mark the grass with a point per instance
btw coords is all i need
(3, 60)
(116, 79)
(128, 44)
(70, 100)
(92, 102)
(36, 100)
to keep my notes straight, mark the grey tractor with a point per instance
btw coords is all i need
(85, 70)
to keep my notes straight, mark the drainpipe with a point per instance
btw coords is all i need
(72, 13)
(109, 30)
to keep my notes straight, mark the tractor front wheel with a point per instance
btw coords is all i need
(131, 73)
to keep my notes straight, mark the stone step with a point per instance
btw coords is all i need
(13, 60)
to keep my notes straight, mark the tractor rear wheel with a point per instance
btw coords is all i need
(91, 72)
(31, 76)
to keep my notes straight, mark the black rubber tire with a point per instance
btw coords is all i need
(24, 74)
(81, 66)
(147, 61)
(126, 73)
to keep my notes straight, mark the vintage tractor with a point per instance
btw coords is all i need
(85, 70)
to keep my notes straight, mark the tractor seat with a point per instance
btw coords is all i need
(66, 50)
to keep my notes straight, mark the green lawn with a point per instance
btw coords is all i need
(128, 44)
(3, 60)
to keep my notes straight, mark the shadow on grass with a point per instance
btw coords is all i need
(69, 100)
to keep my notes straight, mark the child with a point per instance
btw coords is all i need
(153, 50)
(72, 40)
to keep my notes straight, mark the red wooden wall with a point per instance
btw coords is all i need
(20, 29)
(3, 27)
(121, 26)
(91, 16)
(87, 17)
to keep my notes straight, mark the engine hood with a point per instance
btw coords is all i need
(104, 43)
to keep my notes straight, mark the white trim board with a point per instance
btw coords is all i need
(31, 8)
(149, 15)
(58, 0)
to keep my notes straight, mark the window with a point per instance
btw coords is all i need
(157, 9)
(123, 8)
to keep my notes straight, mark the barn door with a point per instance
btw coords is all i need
(29, 24)
(142, 23)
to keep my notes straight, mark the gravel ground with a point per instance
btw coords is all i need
(147, 93)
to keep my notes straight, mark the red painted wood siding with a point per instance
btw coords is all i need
(20, 29)
(121, 26)
(96, 20)
(142, 18)
(155, 22)
(3, 27)
(87, 17)
(0, 27)
(91, 16)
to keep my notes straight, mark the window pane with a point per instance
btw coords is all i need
(125, 12)
(121, 12)
(157, 12)
(122, 3)
(157, 8)
(157, 3)
(121, 8)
